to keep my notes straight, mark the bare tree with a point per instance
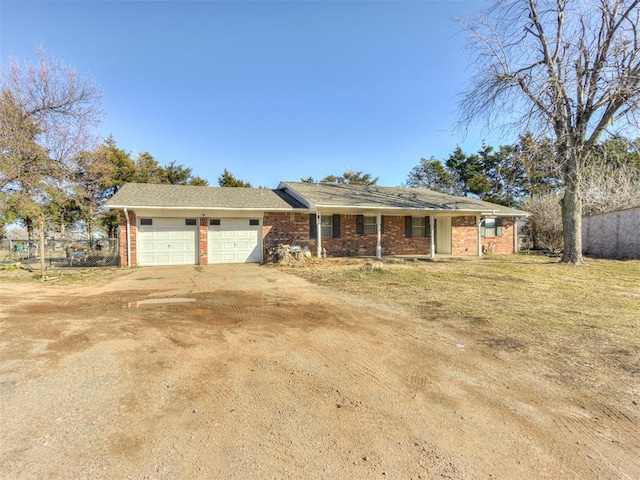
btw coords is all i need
(545, 220)
(569, 69)
(47, 113)
(606, 188)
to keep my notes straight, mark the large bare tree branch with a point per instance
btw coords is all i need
(574, 73)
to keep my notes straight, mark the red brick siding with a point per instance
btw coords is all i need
(123, 238)
(500, 245)
(464, 236)
(285, 228)
(394, 241)
(203, 241)
(294, 229)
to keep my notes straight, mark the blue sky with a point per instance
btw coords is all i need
(270, 90)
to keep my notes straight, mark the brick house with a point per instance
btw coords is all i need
(188, 225)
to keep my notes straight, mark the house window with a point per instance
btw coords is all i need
(492, 227)
(146, 221)
(214, 221)
(326, 226)
(416, 227)
(190, 221)
(329, 226)
(369, 225)
(254, 222)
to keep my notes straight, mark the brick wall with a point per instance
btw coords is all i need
(293, 229)
(285, 228)
(203, 241)
(464, 236)
(123, 238)
(500, 245)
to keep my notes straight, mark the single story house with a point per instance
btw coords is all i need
(189, 225)
(612, 234)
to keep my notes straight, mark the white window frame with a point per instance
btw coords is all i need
(369, 225)
(418, 227)
(326, 226)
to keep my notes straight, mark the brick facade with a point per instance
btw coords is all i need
(203, 241)
(502, 245)
(294, 229)
(464, 236)
(122, 233)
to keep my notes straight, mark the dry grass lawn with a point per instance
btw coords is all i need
(587, 316)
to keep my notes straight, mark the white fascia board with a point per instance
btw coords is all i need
(203, 209)
(380, 208)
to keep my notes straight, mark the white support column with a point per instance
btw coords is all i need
(515, 234)
(379, 236)
(432, 235)
(478, 225)
(319, 233)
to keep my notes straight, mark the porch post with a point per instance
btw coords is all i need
(432, 230)
(379, 236)
(319, 233)
(515, 234)
(478, 225)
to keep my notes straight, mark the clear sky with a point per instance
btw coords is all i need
(271, 90)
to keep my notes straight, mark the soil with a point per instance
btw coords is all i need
(248, 372)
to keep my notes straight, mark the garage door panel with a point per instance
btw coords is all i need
(167, 242)
(234, 241)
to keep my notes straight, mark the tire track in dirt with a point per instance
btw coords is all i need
(594, 422)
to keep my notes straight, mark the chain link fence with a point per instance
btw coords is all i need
(61, 253)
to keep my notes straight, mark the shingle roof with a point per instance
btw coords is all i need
(148, 195)
(298, 196)
(332, 195)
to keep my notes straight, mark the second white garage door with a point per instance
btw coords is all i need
(234, 240)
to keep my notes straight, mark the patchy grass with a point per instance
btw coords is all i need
(524, 298)
(587, 316)
(67, 276)
(532, 291)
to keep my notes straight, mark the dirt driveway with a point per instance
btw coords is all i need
(246, 372)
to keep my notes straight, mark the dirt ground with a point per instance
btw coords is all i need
(234, 372)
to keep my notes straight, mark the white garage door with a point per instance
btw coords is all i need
(234, 240)
(167, 241)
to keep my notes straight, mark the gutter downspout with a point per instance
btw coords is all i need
(126, 214)
(478, 225)
(432, 230)
(379, 236)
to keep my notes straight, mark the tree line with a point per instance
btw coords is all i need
(51, 174)
(564, 75)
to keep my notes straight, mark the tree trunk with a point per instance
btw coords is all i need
(572, 224)
(29, 223)
(42, 259)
